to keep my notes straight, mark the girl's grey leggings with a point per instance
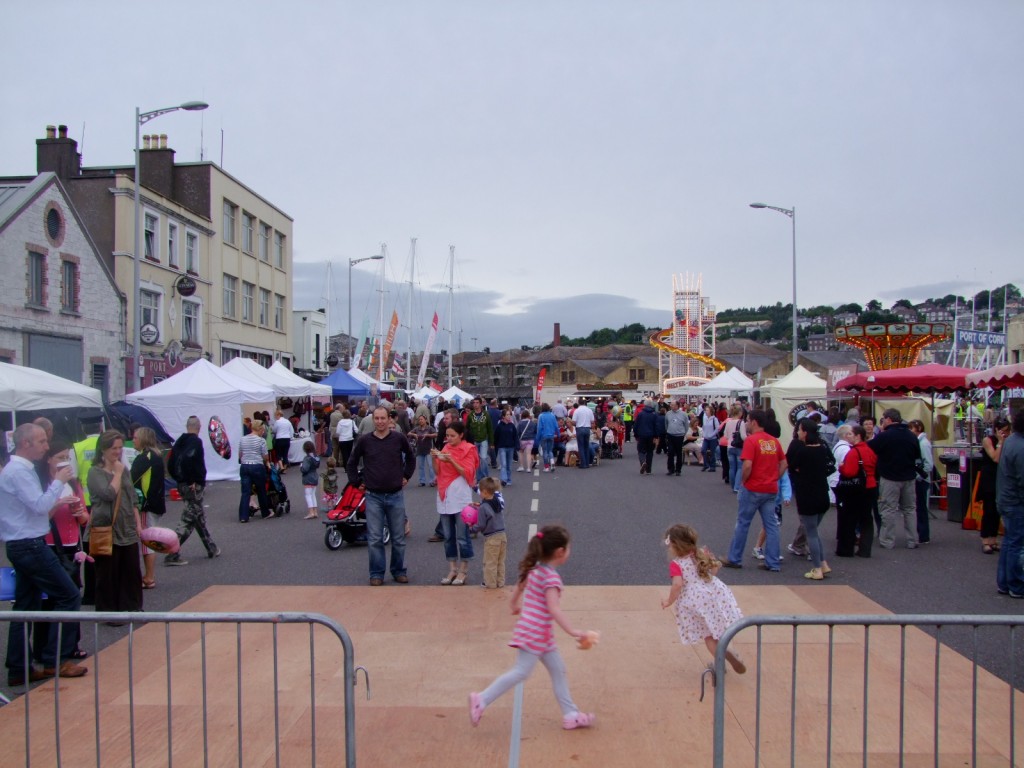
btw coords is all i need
(525, 662)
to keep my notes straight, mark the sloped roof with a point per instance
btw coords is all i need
(616, 352)
(737, 346)
(752, 363)
(599, 368)
(836, 357)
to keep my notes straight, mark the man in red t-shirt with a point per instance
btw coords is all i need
(764, 462)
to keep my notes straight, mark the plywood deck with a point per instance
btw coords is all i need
(426, 647)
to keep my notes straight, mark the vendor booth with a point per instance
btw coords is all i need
(459, 397)
(732, 383)
(216, 397)
(794, 389)
(26, 393)
(344, 385)
(364, 378)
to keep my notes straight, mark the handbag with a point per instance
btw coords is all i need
(101, 537)
(858, 482)
(737, 438)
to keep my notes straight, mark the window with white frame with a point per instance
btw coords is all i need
(279, 250)
(191, 253)
(278, 312)
(172, 244)
(264, 307)
(36, 293)
(248, 295)
(265, 231)
(69, 286)
(190, 333)
(230, 291)
(149, 237)
(248, 231)
(149, 308)
(230, 214)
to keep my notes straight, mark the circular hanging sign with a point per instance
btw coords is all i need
(186, 286)
(331, 360)
(149, 333)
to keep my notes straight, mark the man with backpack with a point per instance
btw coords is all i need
(187, 466)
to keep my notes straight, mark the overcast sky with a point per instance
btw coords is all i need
(576, 154)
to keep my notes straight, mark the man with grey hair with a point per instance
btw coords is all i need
(25, 510)
(187, 466)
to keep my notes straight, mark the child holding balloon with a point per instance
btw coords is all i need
(487, 519)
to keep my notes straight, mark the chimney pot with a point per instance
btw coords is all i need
(558, 335)
(51, 131)
(63, 131)
(145, 141)
(163, 141)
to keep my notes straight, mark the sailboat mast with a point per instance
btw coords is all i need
(408, 347)
(451, 304)
(380, 315)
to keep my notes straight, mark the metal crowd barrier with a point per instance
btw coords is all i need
(212, 683)
(840, 689)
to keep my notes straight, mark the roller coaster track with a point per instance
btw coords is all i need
(657, 340)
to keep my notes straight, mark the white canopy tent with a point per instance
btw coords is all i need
(29, 389)
(726, 383)
(425, 393)
(299, 386)
(214, 395)
(456, 395)
(277, 377)
(792, 390)
(367, 379)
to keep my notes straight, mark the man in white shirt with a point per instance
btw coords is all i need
(583, 418)
(709, 431)
(283, 432)
(559, 410)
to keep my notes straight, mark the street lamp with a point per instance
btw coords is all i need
(141, 118)
(791, 212)
(352, 263)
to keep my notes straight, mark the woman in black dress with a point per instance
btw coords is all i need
(810, 463)
(991, 445)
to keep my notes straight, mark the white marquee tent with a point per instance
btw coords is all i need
(456, 395)
(277, 377)
(300, 387)
(29, 389)
(793, 389)
(367, 379)
(215, 396)
(727, 382)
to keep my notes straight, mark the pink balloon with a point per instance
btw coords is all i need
(470, 514)
(162, 540)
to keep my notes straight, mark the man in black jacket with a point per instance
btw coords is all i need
(645, 429)
(898, 450)
(187, 466)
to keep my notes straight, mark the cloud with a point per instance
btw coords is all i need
(931, 290)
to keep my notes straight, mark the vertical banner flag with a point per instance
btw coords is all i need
(357, 356)
(396, 365)
(392, 329)
(426, 352)
(540, 383)
(374, 350)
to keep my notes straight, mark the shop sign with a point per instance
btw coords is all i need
(149, 333)
(186, 286)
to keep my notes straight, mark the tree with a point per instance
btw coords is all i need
(875, 317)
(873, 306)
(855, 308)
(903, 303)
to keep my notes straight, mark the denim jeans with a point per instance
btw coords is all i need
(482, 470)
(734, 467)
(385, 509)
(426, 466)
(38, 570)
(751, 503)
(710, 452)
(583, 445)
(457, 544)
(810, 524)
(254, 478)
(1010, 571)
(547, 446)
(505, 463)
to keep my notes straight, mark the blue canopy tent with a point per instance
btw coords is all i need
(345, 385)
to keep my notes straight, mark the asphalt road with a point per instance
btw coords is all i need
(617, 519)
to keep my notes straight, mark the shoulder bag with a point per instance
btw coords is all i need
(101, 537)
(737, 438)
(859, 481)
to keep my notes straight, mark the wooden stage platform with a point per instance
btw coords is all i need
(426, 647)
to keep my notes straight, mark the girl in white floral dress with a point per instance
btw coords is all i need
(703, 605)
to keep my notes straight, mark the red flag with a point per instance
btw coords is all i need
(540, 382)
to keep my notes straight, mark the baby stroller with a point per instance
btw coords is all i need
(277, 494)
(346, 523)
(609, 444)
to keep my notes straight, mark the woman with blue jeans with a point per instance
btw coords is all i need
(456, 467)
(733, 424)
(254, 460)
(506, 440)
(547, 430)
(810, 464)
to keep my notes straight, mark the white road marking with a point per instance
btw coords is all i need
(534, 505)
(531, 531)
(536, 485)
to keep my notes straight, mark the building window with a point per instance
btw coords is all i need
(265, 242)
(279, 250)
(191, 253)
(278, 312)
(637, 374)
(248, 227)
(100, 377)
(149, 308)
(248, 293)
(264, 307)
(568, 377)
(172, 245)
(149, 238)
(230, 289)
(230, 214)
(227, 354)
(69, 286)
(190, 323)
(36, 292)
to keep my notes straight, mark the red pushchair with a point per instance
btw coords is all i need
(346, 523)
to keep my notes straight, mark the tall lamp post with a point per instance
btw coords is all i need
(141, 118)
(352, 263)
(791, 212)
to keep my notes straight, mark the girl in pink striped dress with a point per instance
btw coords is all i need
(536, 601)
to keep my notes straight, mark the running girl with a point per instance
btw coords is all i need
(703, 605)
(536, 601)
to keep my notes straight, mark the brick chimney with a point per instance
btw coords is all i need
(58, 154)
(156, 163)
(558, 334)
